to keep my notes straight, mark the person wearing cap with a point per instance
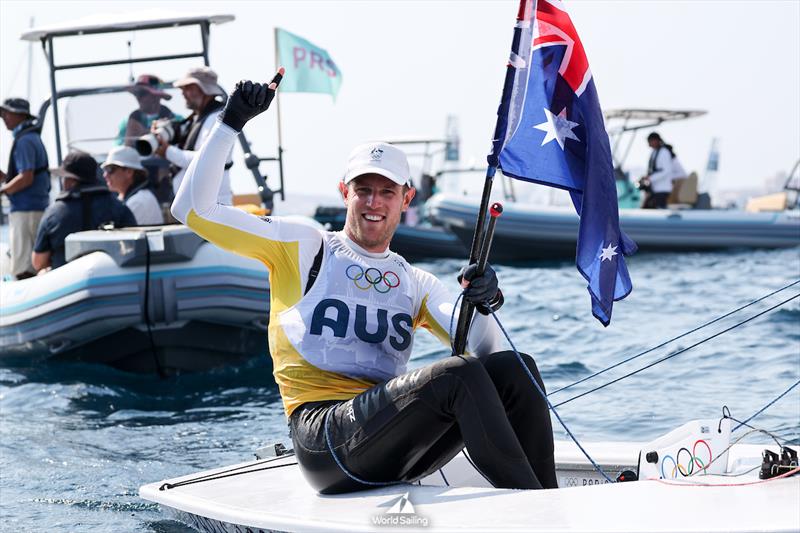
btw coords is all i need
(149, 91)
(84, 204)
(201, 91)
(26, 182)
(343, 312)
(125, 175)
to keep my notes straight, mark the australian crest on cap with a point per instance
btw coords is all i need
(376, 154)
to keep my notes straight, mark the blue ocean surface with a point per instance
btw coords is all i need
(77, 441)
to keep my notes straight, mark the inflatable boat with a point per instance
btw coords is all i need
(527, 232)
(142, 299)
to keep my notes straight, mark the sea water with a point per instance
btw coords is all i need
(77, 440)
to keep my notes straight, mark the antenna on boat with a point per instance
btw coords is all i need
(130, 61)
(30, 64)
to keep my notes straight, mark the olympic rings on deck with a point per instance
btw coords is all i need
(372, 277)
(687, 469)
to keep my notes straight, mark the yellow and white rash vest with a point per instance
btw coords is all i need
(355, 327)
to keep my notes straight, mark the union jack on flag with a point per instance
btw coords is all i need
(550, 130)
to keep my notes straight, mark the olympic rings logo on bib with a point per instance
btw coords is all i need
(372, 278)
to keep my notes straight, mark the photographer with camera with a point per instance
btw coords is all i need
(149, 91)
(200, 90)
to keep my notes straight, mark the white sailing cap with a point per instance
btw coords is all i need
(378, 158)
(123, 156)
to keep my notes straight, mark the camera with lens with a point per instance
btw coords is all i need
(166, 129)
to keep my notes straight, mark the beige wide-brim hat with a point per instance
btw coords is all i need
(123, 156)
(203, 77)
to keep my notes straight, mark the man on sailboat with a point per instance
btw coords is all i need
(343, 312)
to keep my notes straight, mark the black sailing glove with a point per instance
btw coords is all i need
(482, 291)
(247, 100)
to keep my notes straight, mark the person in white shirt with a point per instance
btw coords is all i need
(662, 169)
(200, 91)
(125, 175)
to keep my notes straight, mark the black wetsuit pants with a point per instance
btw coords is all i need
(412, 425)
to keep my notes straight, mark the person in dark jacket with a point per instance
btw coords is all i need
(85, 204)
(26, 182)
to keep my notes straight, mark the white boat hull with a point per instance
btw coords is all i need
(279, 499)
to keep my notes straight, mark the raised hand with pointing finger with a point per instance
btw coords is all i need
(249, 99)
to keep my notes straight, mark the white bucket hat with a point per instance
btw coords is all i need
(378, 158)
(123, 156)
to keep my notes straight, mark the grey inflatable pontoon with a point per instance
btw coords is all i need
(526, 232)
(144, 299)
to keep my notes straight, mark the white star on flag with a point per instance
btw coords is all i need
(557, 127)
(608, 253)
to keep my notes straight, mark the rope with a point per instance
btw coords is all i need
(759, 482)
(546, 399)
(673, 339)
(657, 361)
(705, 468)
(339, 463)
(784, 393)
(236, 471)
(159, 369)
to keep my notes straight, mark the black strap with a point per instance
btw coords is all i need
(651, 165)
(133, 190)
(86, 212)
(194, 130)
(314, 272)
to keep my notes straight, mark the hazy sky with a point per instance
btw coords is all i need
(407, 65)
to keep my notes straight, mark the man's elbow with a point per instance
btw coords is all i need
(25, 181)
(40, 260)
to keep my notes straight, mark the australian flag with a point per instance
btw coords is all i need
(550, 130)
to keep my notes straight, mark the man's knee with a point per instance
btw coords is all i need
(465, 367)
(506, 365)
(463, 371)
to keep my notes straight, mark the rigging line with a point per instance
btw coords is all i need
(670, 356)
(759, 482)
(233, 469)
(784, 393)
(546, 399)
(704, 469)
(16, 74)
(672, 339)
(167, 486)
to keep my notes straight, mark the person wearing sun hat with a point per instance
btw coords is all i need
(125, 175)
(149, 90)
(84, 204)
(344, 312)
(202, 93)
(27, 182)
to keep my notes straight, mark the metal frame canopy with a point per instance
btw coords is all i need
(657, 115)
(136, 21)
(113, 23)
(643, 118)
(109, 23)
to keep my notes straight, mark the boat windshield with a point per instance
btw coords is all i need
(95, 123)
